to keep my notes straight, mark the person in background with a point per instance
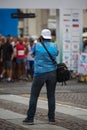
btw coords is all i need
(14, 64)
(30, 59)
(6, 51)
(54, 39)
(1, 37)
(44, 73)
(21, 58)
(1, 42)
(85, 46)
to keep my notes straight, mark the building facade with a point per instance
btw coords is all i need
(45, 18)
(33, 26)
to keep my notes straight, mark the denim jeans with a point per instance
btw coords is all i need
(50, 80)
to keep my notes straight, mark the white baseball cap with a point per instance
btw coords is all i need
(46, 34)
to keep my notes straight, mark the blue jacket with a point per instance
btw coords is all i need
(42, 61)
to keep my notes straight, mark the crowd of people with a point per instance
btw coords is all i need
(16, 61)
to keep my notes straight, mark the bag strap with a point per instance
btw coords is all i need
(51, 57)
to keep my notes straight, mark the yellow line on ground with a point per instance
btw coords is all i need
(28, 95)
(1, 89)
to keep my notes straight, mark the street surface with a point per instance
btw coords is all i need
(71, 106)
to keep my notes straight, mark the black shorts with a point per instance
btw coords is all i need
(7, 64)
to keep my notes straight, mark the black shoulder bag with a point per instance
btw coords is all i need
(63, 74)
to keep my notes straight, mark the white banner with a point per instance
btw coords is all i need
(82, 63)
(70, 36)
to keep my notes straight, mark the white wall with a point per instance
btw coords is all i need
(43, 4)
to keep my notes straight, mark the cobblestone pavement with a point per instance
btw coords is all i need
(6, 125)
(74, 93)
(63, 120)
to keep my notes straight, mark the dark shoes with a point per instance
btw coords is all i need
(31, 122)
(28, 121)
(1, 78)
(52, 121)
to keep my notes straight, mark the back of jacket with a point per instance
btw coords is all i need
(42, 61)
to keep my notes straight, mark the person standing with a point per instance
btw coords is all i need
(7, 54)
(30, 59)
(44, 72)
(21, 58)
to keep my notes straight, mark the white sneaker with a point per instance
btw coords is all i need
(9, 79)
(1, 76)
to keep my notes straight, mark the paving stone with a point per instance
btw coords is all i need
(74, 94)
